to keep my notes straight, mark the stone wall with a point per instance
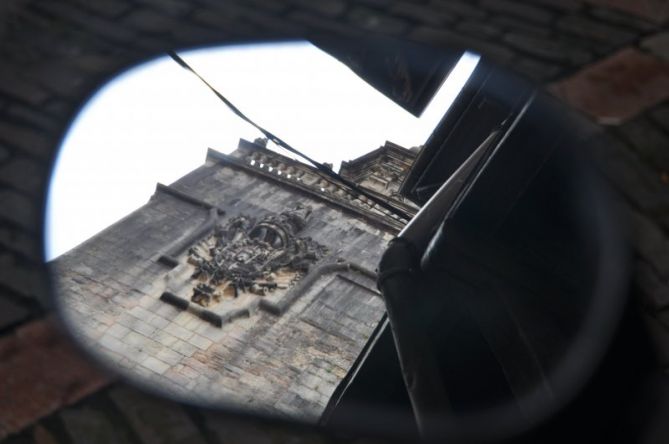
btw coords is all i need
(605, 58)
(286, 351)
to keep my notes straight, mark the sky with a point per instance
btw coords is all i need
(154, 123)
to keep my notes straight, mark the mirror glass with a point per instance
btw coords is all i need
(197, 257)
(200, 256)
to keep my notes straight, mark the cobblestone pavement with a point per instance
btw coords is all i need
(608, 59)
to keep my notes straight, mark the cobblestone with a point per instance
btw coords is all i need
(657, 45)
(372, 21)
(521, 10)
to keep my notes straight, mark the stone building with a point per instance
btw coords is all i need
(248, 281)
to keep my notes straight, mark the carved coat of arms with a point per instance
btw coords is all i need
(253, 256)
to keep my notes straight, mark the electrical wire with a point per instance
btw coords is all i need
(353, 187)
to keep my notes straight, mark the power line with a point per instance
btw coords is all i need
(278, 141)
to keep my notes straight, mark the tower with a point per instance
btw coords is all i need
(249, 281)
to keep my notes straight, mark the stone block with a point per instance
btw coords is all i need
(657, 44)
(585, 28)
(548, 49)
(649, 141)
(371, 20)
(458, 8)
(19, 242)
(518, 9)
(422, 14)
(651, 244)
(200, 342)
(655, 289)
(11, 313)
(621, 19)
(28, 373)
(27, 139)
(86, 425)
(155, 365)
(652, 10)
(155, 421)
(617, 88)
(329, 8)
(149, 20)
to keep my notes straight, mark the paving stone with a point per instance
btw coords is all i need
(522, 10)
(443, 38)
(519, 26)
(649, 140)
(619, 18)
(21, 278)
(479, 29)
(33, 386)
(655, 288)
(651, 244)
(329, 8)
(86, 425)
(617, 88)
(27, 139)
(536, 70)
(11, 313)
(421, 14)
(24, 174)
(148, 20)
(32, 117)
(548, 49)
(374, 21)
(97, 25)
(657, 44)
(155, 421)
(643, 187)
(589, 29)
(13, 84)
(660, 116)
(652, 10)
(19, 242)
(173, 8)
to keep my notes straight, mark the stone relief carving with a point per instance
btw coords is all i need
(253, 256)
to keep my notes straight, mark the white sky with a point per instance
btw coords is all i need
(155, 122)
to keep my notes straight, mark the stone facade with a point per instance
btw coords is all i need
(249, 282)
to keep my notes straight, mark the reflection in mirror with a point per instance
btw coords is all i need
(250, 280)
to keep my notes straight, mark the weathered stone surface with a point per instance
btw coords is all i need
(86, 425)
(41, 372)
(24, 174)
(422, 15)
(11, 313)
(440, 37)
(655, 288)
(548, 49)
(649, 140)
(266, 358)
(621, 19)
(617, 88)
(18, 209)
(590, 29)
(370, 20)
(651, 244)
(329, 8)
(657, 45)
(155, 421)
(26, 138)
(652, 10)
(519, 9)
(642, 186)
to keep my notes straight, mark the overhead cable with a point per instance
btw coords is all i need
(278, 141)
